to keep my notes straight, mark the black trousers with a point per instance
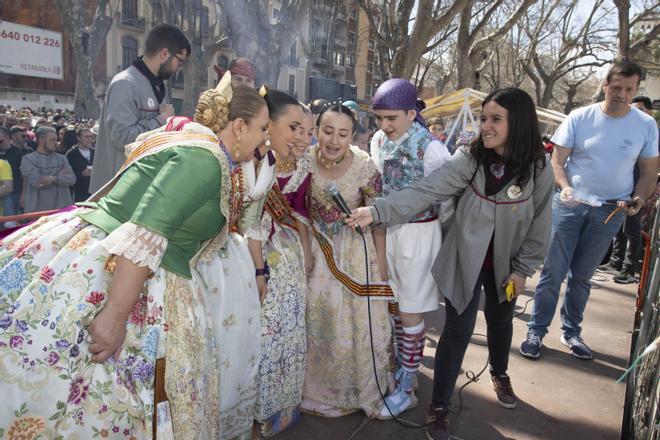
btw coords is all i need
(458, 331)
(627, 248)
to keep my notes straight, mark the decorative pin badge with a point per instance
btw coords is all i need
(514, 192)
(151, 103)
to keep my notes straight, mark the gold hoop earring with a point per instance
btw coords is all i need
(236, 150)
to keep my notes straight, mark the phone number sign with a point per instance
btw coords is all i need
(30, 51)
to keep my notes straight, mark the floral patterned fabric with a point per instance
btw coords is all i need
(281, 370)
(233, 299)
(225, 272)
(403, 163)
(339, 376)
(54, 277)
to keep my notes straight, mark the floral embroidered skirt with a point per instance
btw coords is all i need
(339, 377)
(232, 296)
(282, 366)
(54, 278)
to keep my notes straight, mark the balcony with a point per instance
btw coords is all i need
(133, 22)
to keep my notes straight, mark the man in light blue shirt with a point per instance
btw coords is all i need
(596, 149)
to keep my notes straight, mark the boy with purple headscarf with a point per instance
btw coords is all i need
(405, 152)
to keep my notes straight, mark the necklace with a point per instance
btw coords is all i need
(285, 167)
(328, 164)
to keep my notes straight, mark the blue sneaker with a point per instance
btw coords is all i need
(531, 347)
(403, 398)
(578, 348)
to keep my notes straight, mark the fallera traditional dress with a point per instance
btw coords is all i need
(339, 375)
(282, 365)
(169, 201)
(232, 292)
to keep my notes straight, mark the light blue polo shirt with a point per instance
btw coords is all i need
(605, 150)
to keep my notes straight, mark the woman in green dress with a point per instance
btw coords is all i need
(90, 298)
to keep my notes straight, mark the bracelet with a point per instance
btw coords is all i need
(262, 272)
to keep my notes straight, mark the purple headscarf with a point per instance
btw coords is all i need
(398, 94)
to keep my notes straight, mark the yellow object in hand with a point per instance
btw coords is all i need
(510, 291)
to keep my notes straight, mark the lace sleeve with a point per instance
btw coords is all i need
(138, 244)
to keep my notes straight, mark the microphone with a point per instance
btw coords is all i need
(332, 191)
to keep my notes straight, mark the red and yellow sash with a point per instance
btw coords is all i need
(376, 289)
(279, 207)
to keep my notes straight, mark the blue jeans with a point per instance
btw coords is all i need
(578, 242)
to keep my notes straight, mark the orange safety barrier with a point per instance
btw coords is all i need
(644, 274)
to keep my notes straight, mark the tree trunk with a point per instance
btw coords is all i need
(546, 97)
(464, 67)
(623, 8)
(72, 14)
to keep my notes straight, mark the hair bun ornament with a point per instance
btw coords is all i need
(224, 86)
(263, 91)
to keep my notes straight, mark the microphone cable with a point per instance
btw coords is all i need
(401, 422)
(471, 376)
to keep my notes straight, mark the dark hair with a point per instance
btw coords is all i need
(277, 102)
(17, 129)
(341, 109)
(166, 36)
(81, 129)
(645, 100)
(57, 118)
(625, 68)
(4, 131)
(523, 144)
(435, 121)
(69, 139)
(318, 105)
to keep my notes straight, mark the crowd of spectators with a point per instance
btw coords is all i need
(43, 152)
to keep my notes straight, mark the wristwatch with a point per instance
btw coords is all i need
(262, 272)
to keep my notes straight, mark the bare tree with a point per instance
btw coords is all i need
(86, 42)
(503, 69)
(399, 47)
(477, 33)
(438, 64)
(202, 26)
(642, 49)
(566, 46)
(264, 41)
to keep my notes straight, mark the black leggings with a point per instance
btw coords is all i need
(458, 331)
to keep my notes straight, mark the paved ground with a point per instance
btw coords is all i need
(560, 397)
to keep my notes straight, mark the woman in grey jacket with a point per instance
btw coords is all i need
(498, 237)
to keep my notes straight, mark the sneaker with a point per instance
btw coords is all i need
(439, 424)
(625, 278)
(578, 348)
(609, 267)
(403, 398)
(531, 347)
(505, 395)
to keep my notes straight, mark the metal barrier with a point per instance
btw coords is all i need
(641, 416)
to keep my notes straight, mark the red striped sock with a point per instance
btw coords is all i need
(412, 348)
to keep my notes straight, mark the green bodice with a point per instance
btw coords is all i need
(175, 193)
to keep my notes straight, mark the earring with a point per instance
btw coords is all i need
(267, 143)
(236, 150)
